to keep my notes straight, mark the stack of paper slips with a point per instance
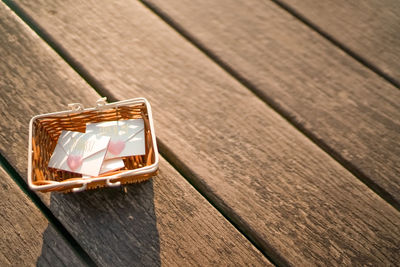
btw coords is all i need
(100, 149)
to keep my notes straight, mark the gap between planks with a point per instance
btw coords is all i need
(381, 65)
(365, 62)
(27, 237)
(186, 173)
(275, 106)
(45, 211)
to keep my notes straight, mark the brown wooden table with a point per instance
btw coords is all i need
(278, 125)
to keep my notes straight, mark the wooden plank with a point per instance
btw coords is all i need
(299, 205)
(164, 221)
(26, 237)
(368, 28)
(344, 107)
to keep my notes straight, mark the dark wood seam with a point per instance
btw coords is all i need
(366, 63)
(70, 240)
(271, 103)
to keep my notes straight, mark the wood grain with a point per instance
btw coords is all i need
(164, 221)
(370, 28)
(344, 107)
(300, 206)
(26, 237)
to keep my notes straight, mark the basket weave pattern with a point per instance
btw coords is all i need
(47, 130)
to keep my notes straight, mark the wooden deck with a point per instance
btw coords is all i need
(278, 125)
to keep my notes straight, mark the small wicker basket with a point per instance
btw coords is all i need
(45, 129)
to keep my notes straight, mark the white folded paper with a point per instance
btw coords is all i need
(127, 137)
(79, 152)
(111, 165)
(108, 166)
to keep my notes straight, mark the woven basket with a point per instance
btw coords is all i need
(45, 129)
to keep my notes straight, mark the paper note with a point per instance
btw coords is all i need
(127, 137)
(79, 152)
(108, 166)
(111, 165)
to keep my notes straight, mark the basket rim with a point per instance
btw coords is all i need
(101, 104)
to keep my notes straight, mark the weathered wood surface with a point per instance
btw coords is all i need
(290, 197)
(369, 28)
(343, 106)
(164, 221)
(26, 237)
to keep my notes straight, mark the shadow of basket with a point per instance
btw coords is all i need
(113, 227)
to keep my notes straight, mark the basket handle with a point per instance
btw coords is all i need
(110, 184)
(79, 189)
(75, 106)
(101, 102)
